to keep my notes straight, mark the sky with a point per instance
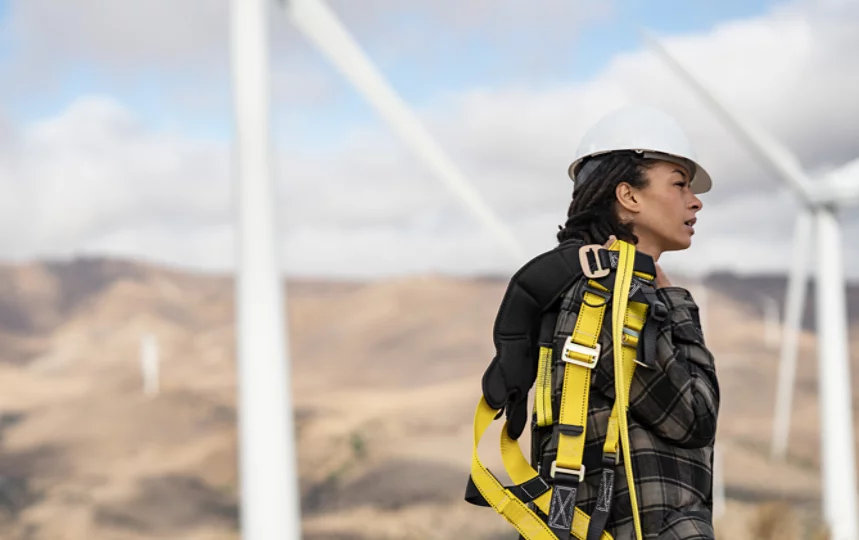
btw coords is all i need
(116, 127)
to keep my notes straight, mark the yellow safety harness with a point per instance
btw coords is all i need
(581, 353)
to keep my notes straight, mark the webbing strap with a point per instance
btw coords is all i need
(520, 471)
(581, 353)
(529, 525)
(621, 387)
(543, 397)
(634, 321)
(505, 502)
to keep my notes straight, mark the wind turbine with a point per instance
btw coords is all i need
(321, 27)
(771, 321)
(269, 486)
(267, 456)
(150, 368)
(820, 201)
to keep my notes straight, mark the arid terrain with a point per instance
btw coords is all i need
(386, 377)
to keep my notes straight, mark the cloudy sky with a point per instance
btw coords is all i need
(116, 126)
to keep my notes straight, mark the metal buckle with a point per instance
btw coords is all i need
(642, 364)
(605, 295)
(627, 337)
(572, 472)
(631, 333)
(594, 352)
(600, 272)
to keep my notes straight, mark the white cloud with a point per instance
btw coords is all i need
(93, 171)
(94, 178)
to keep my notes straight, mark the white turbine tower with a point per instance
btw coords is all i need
(820, 201)
(267, 455)
(321, 27)
(269, 486)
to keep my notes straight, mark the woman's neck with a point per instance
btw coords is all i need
(648, 248)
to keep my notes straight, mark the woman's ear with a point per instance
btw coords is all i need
(627, 198)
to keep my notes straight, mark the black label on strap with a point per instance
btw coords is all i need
(599, 519)
(563, 508)
(606, 490)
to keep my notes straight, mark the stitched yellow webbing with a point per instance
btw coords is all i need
(621, 388)
(517, 513)
(529, 525)
(577, 380)
(543, 396)
(573, 410)
(520, 471)
(634, 320)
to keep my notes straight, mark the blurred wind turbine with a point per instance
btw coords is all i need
(269, 488)
(322, 27)
(820, 201)
(771, 321)
(267, 457)
(149, 366)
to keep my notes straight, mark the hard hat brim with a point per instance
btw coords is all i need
(701, 182)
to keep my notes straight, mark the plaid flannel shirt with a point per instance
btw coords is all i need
(672, 427)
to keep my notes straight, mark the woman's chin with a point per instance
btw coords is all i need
(679, 244)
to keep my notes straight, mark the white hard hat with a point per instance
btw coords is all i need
(646, 130)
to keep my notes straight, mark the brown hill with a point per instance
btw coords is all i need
(386, 376)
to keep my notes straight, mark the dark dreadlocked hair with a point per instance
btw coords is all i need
(592, 216)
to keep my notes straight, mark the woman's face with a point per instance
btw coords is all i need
(664, 219)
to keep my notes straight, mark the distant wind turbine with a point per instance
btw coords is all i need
(150, 368)
(820, 201)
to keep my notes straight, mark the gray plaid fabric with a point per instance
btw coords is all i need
(672, 427)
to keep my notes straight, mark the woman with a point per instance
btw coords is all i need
(636, 179)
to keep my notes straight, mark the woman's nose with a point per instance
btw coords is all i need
(696, 203)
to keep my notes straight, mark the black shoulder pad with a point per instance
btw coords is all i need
(533, 288)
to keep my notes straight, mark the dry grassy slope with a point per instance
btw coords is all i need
(386, 378)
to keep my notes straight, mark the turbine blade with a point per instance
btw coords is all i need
(321, 26)
(794, 305)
